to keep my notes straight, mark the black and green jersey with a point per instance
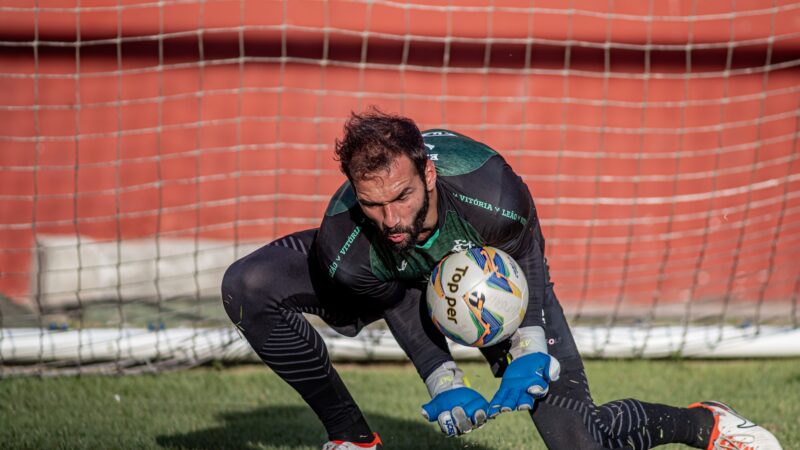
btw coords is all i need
(481, 201)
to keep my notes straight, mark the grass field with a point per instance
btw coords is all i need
(250, 407)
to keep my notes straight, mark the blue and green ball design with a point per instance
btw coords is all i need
(493, 265)
(496, 276)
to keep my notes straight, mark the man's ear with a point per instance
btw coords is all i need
(430, 175)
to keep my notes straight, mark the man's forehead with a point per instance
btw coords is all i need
(385, 184)
(400, 168)
(379, 185)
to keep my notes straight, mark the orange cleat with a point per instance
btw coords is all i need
(375, 444)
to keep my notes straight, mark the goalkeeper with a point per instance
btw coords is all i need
(412, 198)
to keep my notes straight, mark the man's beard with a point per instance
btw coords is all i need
(413, 231)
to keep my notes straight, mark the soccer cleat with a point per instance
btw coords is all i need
(375, 444)
(734, 432)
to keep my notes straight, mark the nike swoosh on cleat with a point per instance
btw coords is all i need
(745, 423)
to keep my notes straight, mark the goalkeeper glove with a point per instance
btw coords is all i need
(529, 374)
(456, 407)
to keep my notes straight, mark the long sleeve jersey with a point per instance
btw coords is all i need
(481, 201)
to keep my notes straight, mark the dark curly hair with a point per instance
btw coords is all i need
(374, 139)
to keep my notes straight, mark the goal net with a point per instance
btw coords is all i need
(147, 145)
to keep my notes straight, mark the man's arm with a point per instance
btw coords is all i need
(454, 405)
(517, 232)
(457, 408)
(531, 370)
(416, 334)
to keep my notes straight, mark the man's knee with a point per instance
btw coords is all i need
(251, 282)
(232, 301)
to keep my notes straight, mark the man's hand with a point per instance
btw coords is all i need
(525, 379)
(528, 376)
(458, 411)
(456, 407)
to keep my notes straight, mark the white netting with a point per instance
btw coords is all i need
(147, 145)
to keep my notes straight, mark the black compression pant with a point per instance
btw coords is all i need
(567, 418)
(266, 293)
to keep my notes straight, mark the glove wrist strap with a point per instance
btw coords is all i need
(447, 376)
(528, 340)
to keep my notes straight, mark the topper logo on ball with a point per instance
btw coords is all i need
(452, 286)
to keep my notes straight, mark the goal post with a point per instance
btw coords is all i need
(145, 146)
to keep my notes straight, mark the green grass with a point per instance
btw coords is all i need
(250, 407)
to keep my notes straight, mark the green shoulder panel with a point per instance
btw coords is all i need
(455, 154)
(342, 200)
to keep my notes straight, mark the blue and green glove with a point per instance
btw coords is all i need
(529, 375)
(458, 408)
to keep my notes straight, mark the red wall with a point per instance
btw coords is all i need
(661, 175)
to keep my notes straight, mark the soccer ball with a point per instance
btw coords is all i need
(477, 297)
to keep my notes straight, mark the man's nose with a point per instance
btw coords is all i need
(390, 217)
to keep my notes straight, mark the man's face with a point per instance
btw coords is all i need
(397, 201)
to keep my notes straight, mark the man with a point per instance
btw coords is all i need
(411, 199)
